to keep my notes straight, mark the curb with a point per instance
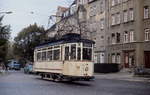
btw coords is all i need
(120, 76)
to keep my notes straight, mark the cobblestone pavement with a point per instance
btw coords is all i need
(17, 83)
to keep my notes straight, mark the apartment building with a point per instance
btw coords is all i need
(128, 38)
(70, 20)
(59, 13)
(120, 29)
(97, 22)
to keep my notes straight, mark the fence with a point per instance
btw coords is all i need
(106, 68)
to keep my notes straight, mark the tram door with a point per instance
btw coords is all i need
(66, 55)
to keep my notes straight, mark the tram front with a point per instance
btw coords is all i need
(78, 58)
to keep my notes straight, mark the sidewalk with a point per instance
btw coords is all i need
(3, 72)
(122, 76)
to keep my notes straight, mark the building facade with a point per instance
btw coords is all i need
(120, 29)
(97, 20)
(128, 38)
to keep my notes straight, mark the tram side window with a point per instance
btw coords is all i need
(73, 52)
(38, 56)
(79, 54)
(67, 53)
(87, 54)
(56, 55)
(49, 55)
(43, 56)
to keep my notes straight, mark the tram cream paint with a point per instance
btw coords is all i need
(70, 68)
(53, 66)
(78, 68)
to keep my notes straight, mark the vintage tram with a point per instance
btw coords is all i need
(70, 58)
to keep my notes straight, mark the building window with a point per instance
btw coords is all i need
(118, 37)
(118, 58)
(118, 1)
(82, 1)
(147, 34)
(108, 40)
(113, 58)
(113, 19)
(102, 7)
(131, 34)
(125, 16)
(124, 0)
(113, 3)
(102, 23)
(125, 37)
(146, 12)
(118, 18)
(102, 37)
(131, 14)
(93, 10)
(90, 0)
(102, 57)
(113, 38)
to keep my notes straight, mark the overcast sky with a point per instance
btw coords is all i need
(26, 12)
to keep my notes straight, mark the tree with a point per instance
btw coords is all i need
(4, 38)
(74, 23)
(27, 40)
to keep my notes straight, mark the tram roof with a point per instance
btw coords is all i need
(68, 38)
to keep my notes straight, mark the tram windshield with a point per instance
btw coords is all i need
(76, 52)
(87, 54)
(87, 51)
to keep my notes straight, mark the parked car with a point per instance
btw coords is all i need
(28, 69)
(16, 67)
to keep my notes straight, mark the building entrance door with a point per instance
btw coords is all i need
(126, 60)
(129, 59)
(147, 59)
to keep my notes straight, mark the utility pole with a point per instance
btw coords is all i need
(51, 19)
(8, 12)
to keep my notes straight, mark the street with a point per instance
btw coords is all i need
(18, 83)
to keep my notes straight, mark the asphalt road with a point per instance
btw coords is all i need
(17, 83)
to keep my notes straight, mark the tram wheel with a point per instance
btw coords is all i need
(57, 78)
(42, 76)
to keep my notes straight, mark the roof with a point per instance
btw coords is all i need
(68, 38)
(74, 2)
(62, 9)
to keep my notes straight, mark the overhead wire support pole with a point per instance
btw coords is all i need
(9, 12)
